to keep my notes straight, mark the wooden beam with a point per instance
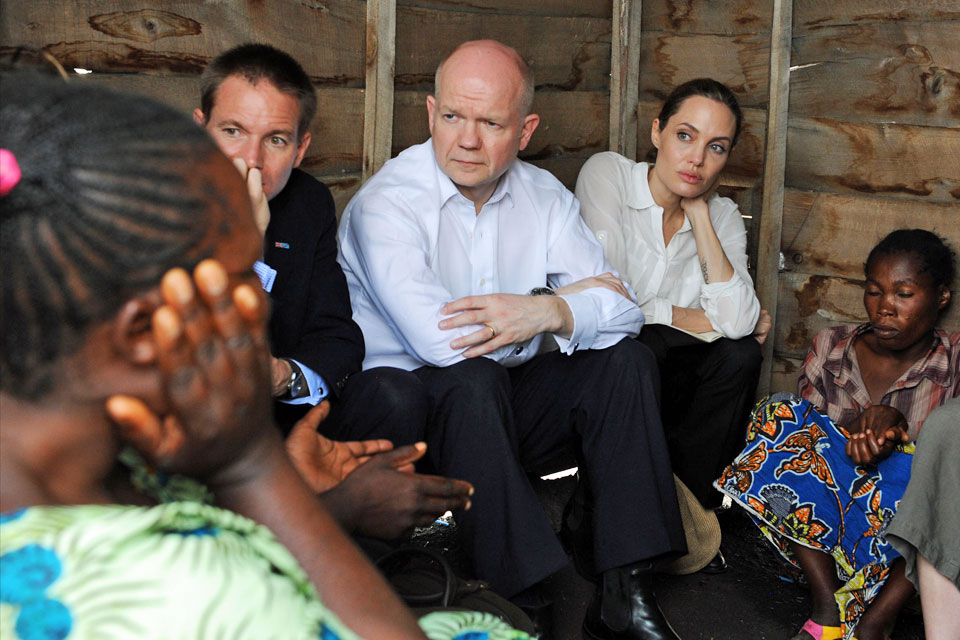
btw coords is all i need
(771, 219)
(624, 77)
(378, 101)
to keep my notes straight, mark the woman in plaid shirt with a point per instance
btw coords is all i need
(822, 473)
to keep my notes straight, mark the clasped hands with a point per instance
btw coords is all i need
(214, 421)
(875, 433)
(513, 318)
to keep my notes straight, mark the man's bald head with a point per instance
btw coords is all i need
(495, 55)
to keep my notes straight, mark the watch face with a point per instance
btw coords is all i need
(542, 291)
(296, 387)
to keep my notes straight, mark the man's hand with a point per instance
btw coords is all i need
(509, 319)
(258, 199)
(604, 280)
(211, 350)
(324, 463)
(764, 324)
(875, 433)
(379, 500)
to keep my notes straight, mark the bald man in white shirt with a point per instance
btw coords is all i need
(459, 258)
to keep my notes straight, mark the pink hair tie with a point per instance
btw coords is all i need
(9, 172)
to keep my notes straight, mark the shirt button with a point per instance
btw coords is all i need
(470, 235)
(576, 346)
(518, 351)
(483, 281)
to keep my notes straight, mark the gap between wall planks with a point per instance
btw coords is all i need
(378, 99)
(774, 171)
(625, 77)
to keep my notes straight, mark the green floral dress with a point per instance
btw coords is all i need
(180, 570)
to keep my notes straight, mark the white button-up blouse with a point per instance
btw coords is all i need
(617, 205)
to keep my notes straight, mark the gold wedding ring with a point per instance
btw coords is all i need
(493, 332)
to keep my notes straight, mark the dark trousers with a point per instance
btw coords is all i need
(708, 390)
(489, 424)
(377, 403)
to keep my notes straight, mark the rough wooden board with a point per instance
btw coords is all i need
(336, 132)
(898, 161)
(625, 77)
(566, 54)
(905, 72)
(771, 221)
(784, 374)
(746, 161)
(819, 14)
(741, 62)
(809, 303)
(183, 36)
(545, 8)
(571, 123)
(734, 17)
(378, 94)
(830, 234)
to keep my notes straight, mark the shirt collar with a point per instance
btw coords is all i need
(639, 196)
(448, 189)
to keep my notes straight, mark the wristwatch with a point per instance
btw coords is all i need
(296, 384)
(541, 291)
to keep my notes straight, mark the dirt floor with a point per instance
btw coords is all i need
(758, 597)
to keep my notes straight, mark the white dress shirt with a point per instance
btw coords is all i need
(410, 243)
(617, 205)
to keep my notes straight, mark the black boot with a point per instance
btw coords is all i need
(624, 607)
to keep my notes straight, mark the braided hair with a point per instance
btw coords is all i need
(109, 199)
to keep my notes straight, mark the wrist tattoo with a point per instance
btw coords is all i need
(703, 270)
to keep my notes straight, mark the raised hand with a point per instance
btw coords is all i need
(212, 358)
(875, 433)
(763, 326)
(380, 500)
(324, 463)
(258, 199)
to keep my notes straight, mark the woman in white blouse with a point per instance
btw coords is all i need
(683, 249)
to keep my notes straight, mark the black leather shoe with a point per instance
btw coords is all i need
(624, 607)
(576, 531)
(717, 565)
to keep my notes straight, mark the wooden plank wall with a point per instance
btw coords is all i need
(873, 144)
(159, 49)
(135, 45)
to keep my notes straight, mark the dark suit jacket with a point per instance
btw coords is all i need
(311, 320)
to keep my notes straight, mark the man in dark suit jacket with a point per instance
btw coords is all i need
(257, 104)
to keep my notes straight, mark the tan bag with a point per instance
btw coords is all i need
(702, 531)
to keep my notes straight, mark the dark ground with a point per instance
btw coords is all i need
(758, 597)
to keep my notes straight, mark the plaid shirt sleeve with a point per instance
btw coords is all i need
(810, 385)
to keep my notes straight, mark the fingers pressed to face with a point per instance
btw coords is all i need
(237, 319)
